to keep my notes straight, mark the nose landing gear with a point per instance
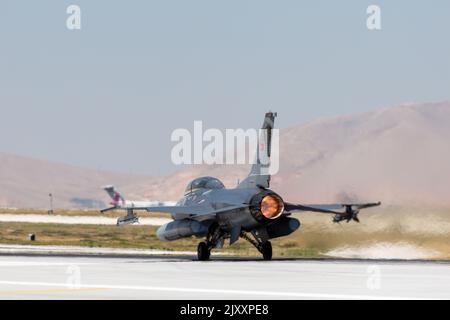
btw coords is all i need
(214, 239)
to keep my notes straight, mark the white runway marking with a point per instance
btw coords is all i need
(96, 220)
(74, 250)
(39, 264)
(219, 291)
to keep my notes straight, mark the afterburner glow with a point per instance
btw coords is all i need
(271, 207)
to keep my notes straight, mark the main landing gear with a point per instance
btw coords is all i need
(213, 240)
(203, 251)
(266, 250)
(263, 247)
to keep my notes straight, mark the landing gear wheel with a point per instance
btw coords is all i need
(266, 250)
(203, 251)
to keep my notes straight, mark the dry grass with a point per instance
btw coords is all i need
(429, 230)
(136, 236)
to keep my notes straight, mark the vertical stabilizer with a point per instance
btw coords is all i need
(117, 198)
(259, 175)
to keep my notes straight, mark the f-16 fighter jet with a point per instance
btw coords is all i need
(251, 210)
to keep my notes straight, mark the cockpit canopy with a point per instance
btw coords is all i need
(204, 183)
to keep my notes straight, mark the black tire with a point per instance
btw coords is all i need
(203, 252)
(266, 250)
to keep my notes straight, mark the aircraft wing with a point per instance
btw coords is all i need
(197, 212)
(122, 208)
(350, 210)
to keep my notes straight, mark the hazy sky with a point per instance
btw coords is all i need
(109, 95)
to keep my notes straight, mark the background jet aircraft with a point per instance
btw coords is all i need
(250, 211)
(119, 202)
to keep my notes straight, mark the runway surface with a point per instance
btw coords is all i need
(58, 277)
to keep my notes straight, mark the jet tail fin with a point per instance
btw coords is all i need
(118, 199)
(259, 175)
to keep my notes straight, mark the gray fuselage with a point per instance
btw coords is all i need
(221, 199)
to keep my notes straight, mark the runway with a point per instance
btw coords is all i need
(58, 277)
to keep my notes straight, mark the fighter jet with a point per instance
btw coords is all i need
(251, 210)
(119, 203)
